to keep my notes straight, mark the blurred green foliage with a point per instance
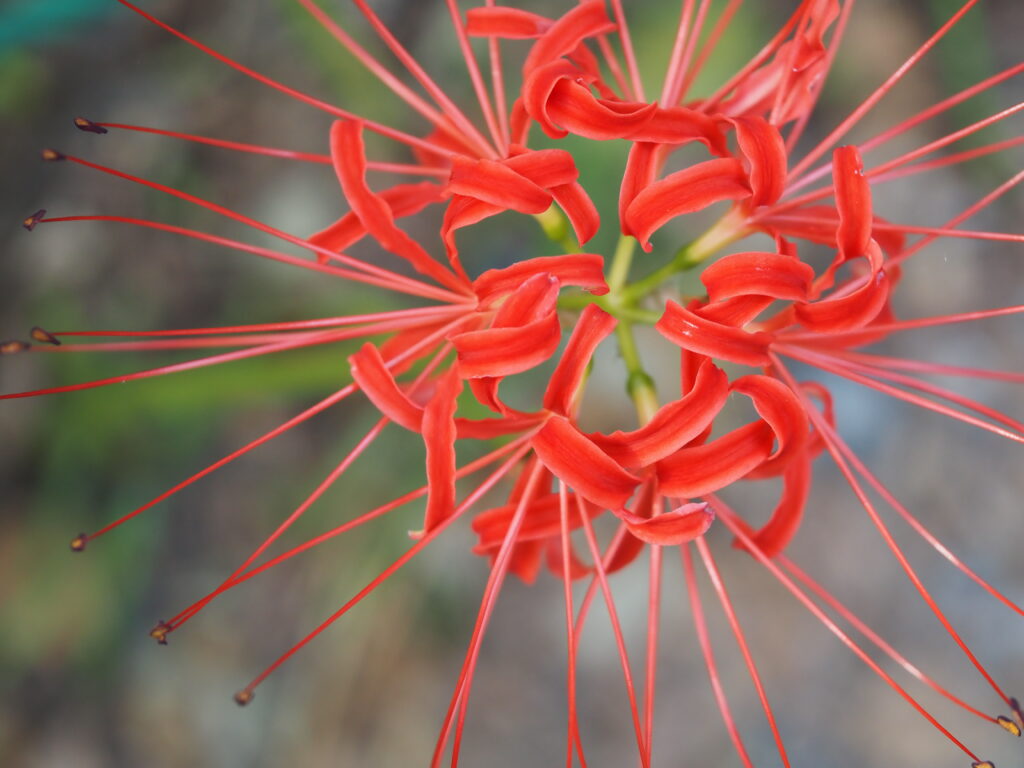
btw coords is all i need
(27, 22)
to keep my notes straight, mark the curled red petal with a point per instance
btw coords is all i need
(765, 151)
(542, 480)
(348, 154)
(580, 209)
(774, 536)
(737, 311)
(338, 237)
(555, 171)
(684, 523)
(681, 125)
(537, 90)
(505, 351)
(590, 70)
(542, 520)
(572, 107)
(855, 310)
(447, 138)
(439, 437)
(591, 329)
(519, 122)
(402, 342)
(697, 334)
(554, 560)
(686, 191)
(525, 552)
(583, 466)
(755, 93)
(462, 212)
(690, 364)
(507, 23)
(526, 560)
(704, 469)
(781, 410)
(818, 224)
(544, 167)
(585, 20)
(378, 384)
(853, 200)
(497, 184)
(487, 429)
(581, 270)
(533, 300)
(673, 426)
(795, 70)
(628, 547)
(758, 274)
(402, 199)
(641, 170)
(485, 390)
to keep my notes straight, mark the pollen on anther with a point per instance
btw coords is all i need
(984, 764)
(1009, 725)
(88, 125)
(78, 543)
(30, 222)
(52, 155)
(13, 347)
(243, 697)
(43, 336)
(160, 631)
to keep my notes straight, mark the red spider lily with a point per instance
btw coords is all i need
(659, 482)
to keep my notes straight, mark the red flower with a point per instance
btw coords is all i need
(659, 482)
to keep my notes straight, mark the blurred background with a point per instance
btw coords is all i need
(81, 684)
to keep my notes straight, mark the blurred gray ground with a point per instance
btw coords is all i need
(82, 685)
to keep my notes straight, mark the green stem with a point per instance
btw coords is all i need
(652, 281)
(576, 300)
(621, 262)
(556, 228)
(639, 383)
(622, 298)
(726, 230)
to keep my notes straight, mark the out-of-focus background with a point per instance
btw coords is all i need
(81, 684)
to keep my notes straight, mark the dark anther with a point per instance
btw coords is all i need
(43, 336)
(1009, 725)
(243, 697)
(30, 222)
(984, 764)
(78, 543)
(51, 155)
(1018, 713)
(160, 631)
(13, 347)
(88, 125)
